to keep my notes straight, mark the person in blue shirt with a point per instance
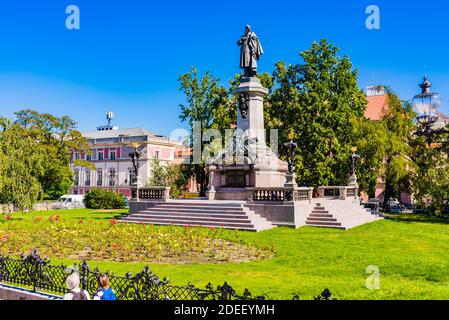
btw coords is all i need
(105, 292)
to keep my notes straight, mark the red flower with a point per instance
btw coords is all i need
(81, 221)
(8, 218)
(113, 222)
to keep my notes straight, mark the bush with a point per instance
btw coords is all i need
(102, 199)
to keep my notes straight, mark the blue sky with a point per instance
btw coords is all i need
(128, 55)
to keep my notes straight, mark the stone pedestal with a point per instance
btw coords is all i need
(258, 165)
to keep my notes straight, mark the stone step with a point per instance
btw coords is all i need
(315, 219)
(236, 215)
(198, 207)
(326, 226)
(320, 215)
(320, 211)
(191, 218)
(161, 223)
(203, 204)
(319, 208)
(324, 223)
(185, 222)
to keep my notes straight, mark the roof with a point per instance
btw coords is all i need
(107, 134)
(377, 107)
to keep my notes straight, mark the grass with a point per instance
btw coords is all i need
(411, 252)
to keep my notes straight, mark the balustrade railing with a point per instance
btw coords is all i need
(279, 194)
(151, 193)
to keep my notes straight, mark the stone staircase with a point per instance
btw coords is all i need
(228, 215)
(339, 214)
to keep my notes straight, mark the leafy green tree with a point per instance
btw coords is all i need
(371, 139)
(431, 178)
(209, 104)
(319, 101)
(22, 162)
(60, 138)
(158, 176)
(398, 165)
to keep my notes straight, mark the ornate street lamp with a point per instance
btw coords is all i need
(426, 105)
(290, 148)
(355, 158)
(135, 156)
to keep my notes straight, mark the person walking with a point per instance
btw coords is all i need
(75, 292)
(105, 292)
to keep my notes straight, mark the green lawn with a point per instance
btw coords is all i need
(412, 253)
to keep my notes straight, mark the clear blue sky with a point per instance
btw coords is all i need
(128, 54)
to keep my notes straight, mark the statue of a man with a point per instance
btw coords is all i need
(250, 52)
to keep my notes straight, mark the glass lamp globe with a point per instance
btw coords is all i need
(427, 103)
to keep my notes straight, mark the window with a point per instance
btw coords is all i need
(112, 176)
(77, 156)
(112, 155)
(87, 180)
(99, 178)
(89, 157)
(132, 177)
(100, 155)
(77, 178)
(157, 154)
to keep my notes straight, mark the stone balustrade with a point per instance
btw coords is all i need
(150, 193)
(338, 192)
(281, 194)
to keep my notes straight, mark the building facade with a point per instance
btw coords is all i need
(109, 153)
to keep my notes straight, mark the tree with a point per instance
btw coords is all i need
(60, 138)
(22, 161)
(371, 139)
(158, 176)
(431, 178)
(398, 165)
(319, 101)
(171, 175)
(210, 105)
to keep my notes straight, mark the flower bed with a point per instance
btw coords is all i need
(107, 239)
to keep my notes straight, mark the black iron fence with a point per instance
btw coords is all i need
(38, 275)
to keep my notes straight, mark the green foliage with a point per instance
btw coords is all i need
(59, 138)
(398, 166)
(371, 137)
(431, 178)
(209, 104)
(158, 176)
(103, 199)
(319, 101)
(22, 162)
(171, 175)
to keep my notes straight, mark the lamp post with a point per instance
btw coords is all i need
(134, 179)
(355, 158)
(290, 148)
(426, 105)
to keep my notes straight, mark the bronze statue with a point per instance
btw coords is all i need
(250, 52)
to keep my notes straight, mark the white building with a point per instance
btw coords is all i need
(110, 149)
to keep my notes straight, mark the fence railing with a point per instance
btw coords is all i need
(38, 275)
(280, 194)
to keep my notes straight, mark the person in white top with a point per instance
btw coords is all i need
(75, 293)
